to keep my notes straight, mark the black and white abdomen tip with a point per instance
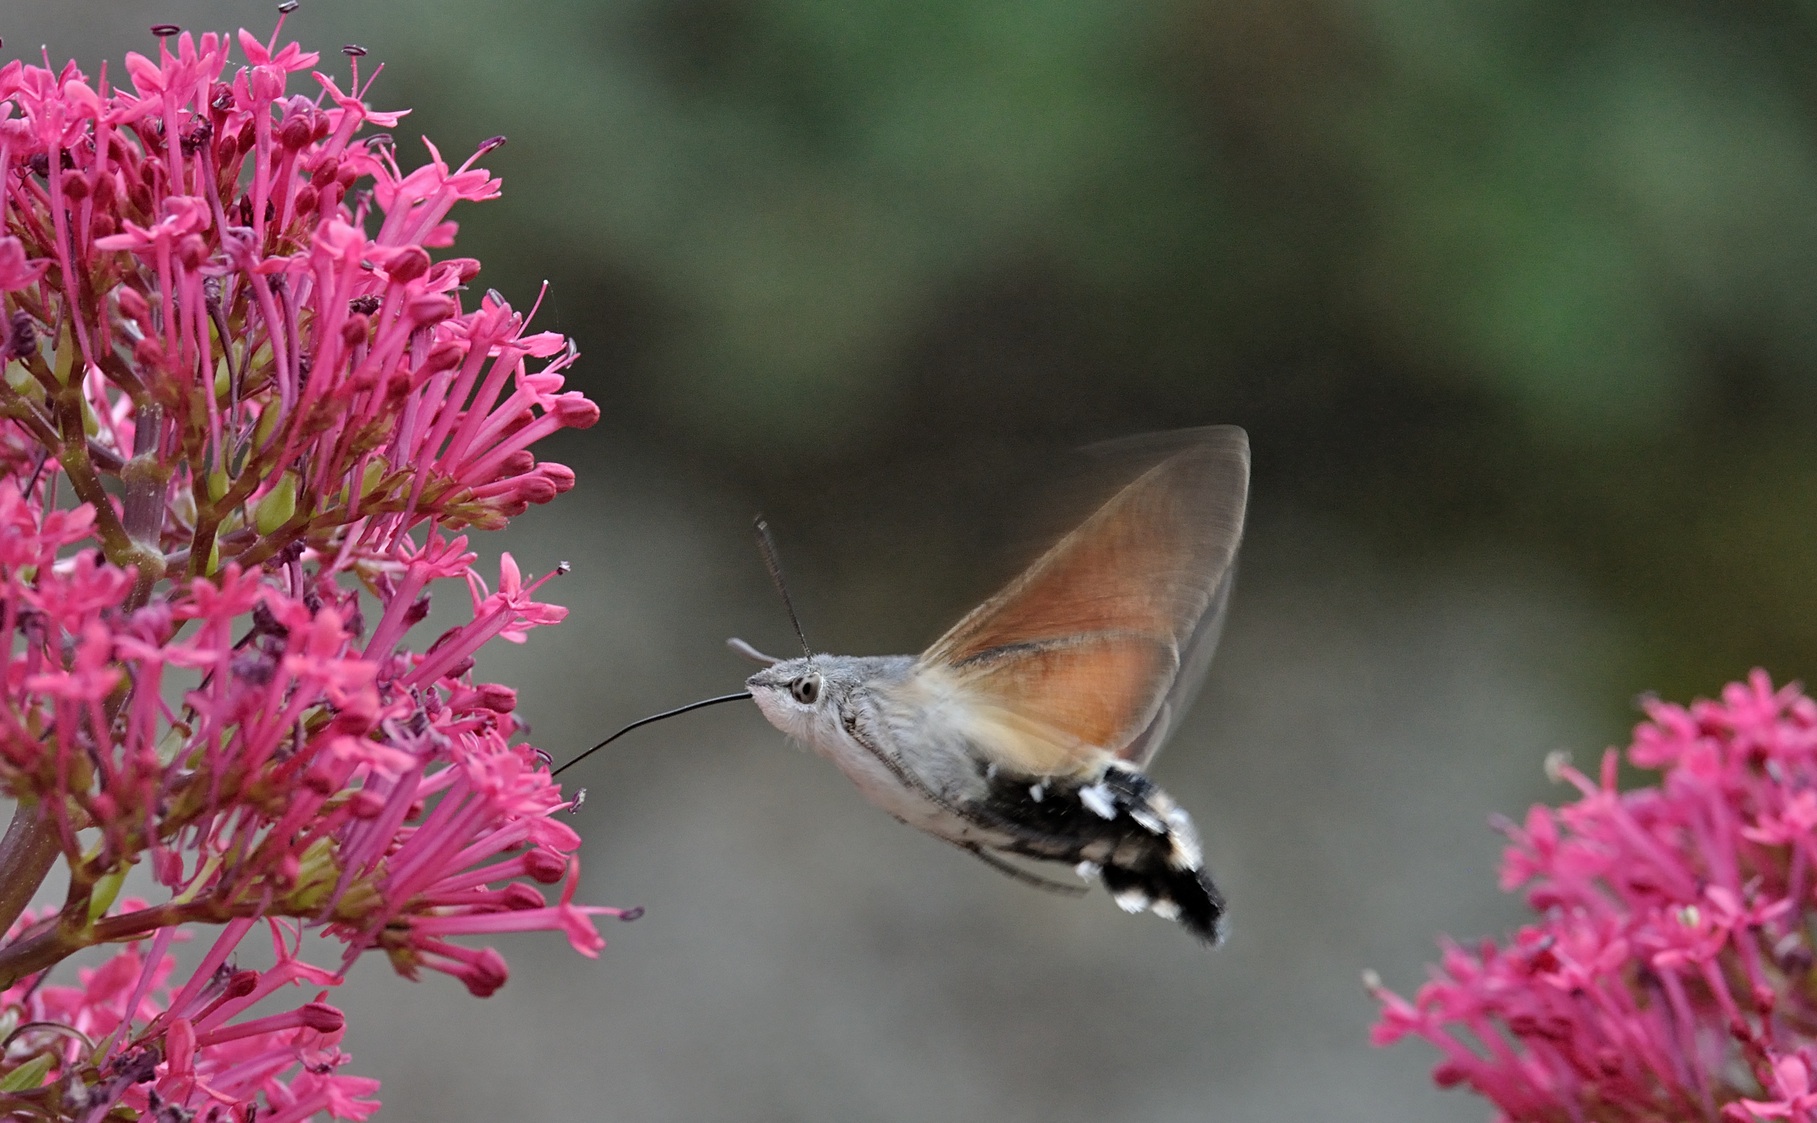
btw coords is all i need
(1120, 829)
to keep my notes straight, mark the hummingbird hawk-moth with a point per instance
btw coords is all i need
(1025, 730)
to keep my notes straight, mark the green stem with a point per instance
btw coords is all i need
(142, 511)
(52, 944)
(27, 853)
(72, 454)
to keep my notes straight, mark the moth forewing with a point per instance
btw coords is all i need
(1052, 708)
(1105, 636)
(1195, 658)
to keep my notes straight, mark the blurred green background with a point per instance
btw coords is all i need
(1515, 300)
(1534, 276)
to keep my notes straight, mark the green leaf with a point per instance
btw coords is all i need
(28, 1075)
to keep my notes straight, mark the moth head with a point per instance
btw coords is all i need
(801, 696)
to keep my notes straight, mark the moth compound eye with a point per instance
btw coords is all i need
(805, 689)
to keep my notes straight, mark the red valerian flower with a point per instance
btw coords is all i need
(224, 330)
(203, 1056)
(1669, 972)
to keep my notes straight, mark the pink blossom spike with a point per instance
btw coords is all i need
(1667, 975)
(278, 412)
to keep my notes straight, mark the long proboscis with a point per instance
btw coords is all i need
(742, 694)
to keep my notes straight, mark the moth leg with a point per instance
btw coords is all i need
(1020, 874)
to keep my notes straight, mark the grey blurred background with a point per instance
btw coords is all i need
(1515, 300)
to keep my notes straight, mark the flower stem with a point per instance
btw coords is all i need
(147, 481)
(49, 944)
(27, 853)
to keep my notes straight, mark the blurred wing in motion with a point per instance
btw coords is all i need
(1099, 645)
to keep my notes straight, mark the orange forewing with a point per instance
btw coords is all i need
(1087, 644)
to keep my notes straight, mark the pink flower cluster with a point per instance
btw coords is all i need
(1669, 975)
(245, 413)
(194, 1048)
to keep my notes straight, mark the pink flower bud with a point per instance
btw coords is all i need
(545, 866)
(407, 264)
(576, 412)
(295, 131)
(132, 305)
(485, 974)
(321, 778)
(498, 697)
(430, 308)
(240, 984)
(536, 488)
(192, 251)
(560, 475)
(444, 356)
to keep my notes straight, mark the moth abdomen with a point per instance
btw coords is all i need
(1187, 896)
(1119, 828)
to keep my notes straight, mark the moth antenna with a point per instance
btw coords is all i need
(766, 546)
(742, 694)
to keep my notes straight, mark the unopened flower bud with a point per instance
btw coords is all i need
(356, 330)
(576, 412)
(132, 305)
(545, 866)
(444, 356)
(497, 697)
(429, 308)
(536, 488)
(295, 131)
(192, 251)
(560, 475)
(148, 353)
(240, 984)
(408, 264)
(485, 974)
